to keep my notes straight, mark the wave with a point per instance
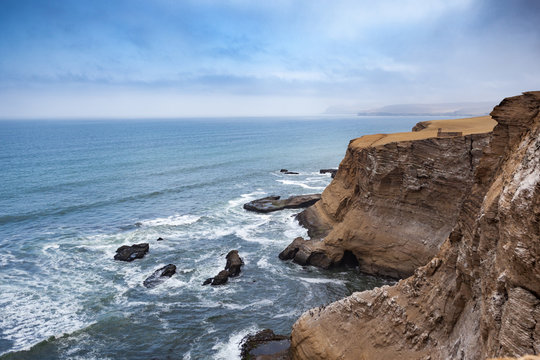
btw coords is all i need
(5, 219)
(173, 220)
(231, 349)
(321, 280)
(301, 184)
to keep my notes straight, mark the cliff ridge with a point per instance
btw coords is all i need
(479, 297)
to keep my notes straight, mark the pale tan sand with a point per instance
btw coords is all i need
(474, 125)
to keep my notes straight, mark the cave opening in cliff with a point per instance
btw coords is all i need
(349, 260)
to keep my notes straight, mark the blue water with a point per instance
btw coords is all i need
(73, 191)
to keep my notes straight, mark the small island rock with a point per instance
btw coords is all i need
(234, 263)
(273, 203)
(232, 269)
(159, 276)
(130, 253)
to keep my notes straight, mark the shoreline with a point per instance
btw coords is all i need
(307, 252)
(448, 308)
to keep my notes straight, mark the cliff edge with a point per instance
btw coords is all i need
(394, 199)
(479, 297)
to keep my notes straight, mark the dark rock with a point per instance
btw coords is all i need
(291, 250)
(221, 278)
(291, 173)
(265, 345)
(283, 170)
(234, 263)
(319, 259)
(159, 239)
(273, 203)
(232, 269)
(159, 276)
(333, 172)
(130, 253)
(301, 252)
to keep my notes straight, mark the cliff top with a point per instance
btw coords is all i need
(428, 129)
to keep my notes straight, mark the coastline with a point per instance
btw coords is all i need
(460, 304)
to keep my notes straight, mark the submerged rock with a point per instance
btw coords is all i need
(275, 203)
(159, 276)
(291, 173)
(130, 253)
(265, 345)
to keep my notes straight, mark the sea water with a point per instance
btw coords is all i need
(72, 192)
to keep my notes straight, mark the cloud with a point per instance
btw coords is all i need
(379, 52)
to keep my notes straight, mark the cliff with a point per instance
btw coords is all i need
(479, 297)
(395, 198)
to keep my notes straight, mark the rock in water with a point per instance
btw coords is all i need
(159, 276)
(291, 173)
(265, 345)
(273, 203)
(130, 253)
(159, 239)
(234, 263)
(232, 269)
(221, 278)
(283, 170)
(333, 172)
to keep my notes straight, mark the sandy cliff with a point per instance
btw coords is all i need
(479, 297)
(394, 199)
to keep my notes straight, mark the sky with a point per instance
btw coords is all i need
(165, 58)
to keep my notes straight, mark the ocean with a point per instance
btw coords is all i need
(72, 192)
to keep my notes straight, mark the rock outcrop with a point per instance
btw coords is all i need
(159, 276)
(265, 345)
(130, 253)
(395, 198)
(275, 203)
(479, 297)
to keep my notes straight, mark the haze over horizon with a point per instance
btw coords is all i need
(163, 58)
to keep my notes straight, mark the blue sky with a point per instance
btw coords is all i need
(164, 58)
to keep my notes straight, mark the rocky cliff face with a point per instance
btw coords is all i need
(479, 297)
(393, 201)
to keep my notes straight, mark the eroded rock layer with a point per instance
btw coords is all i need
(395, 198)
(479, 297)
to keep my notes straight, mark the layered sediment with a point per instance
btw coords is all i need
(479, 297)
(395, 198)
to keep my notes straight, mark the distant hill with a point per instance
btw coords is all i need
(444, 109)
